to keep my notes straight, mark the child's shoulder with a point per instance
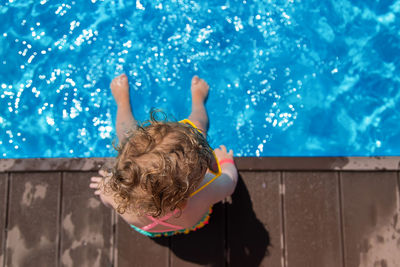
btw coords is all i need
(219, 189)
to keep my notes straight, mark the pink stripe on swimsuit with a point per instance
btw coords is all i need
(161, 221)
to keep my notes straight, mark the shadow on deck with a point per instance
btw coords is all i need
(284, 212)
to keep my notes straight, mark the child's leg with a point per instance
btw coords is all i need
(199, 95)
(125, 120)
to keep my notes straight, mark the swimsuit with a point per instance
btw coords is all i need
(175, 229)
(178, 229)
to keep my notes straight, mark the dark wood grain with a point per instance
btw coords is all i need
(135, 249)
(371, 218)
(3, 215)
(86, 228)
(206, 246)
(240, 230)
(32, 219)
(312, 219)
(254, 226)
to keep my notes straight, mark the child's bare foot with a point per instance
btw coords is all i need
(199, 90)
(199, 95)
(120, 89)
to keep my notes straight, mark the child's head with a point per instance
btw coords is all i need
(158, 167)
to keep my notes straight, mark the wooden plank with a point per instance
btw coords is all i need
(317, 163)
(134, 249)
(3, 210)
(86, 235)
(312, 219)
(206, 246)
(254, 225)
(243, 164)
(54, 164)
(371, 218)
(32, 219)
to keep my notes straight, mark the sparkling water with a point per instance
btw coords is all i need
(287, 78)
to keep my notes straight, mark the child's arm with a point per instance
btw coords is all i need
(125, 120)
(224, 185)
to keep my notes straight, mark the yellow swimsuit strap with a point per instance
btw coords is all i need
(203, 186)
(217, 174)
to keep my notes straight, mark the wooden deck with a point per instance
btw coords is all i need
(285, 212)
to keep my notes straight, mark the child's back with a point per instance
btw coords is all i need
(161, 166)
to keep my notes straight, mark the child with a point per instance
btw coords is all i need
(160, 183)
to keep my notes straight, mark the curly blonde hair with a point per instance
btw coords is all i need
(158, 167)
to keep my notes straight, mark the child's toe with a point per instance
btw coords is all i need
(195, 79)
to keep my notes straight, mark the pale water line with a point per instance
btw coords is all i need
(377, 112)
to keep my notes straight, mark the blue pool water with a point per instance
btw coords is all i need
(288, 78)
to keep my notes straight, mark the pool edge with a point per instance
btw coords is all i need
(243, 163)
